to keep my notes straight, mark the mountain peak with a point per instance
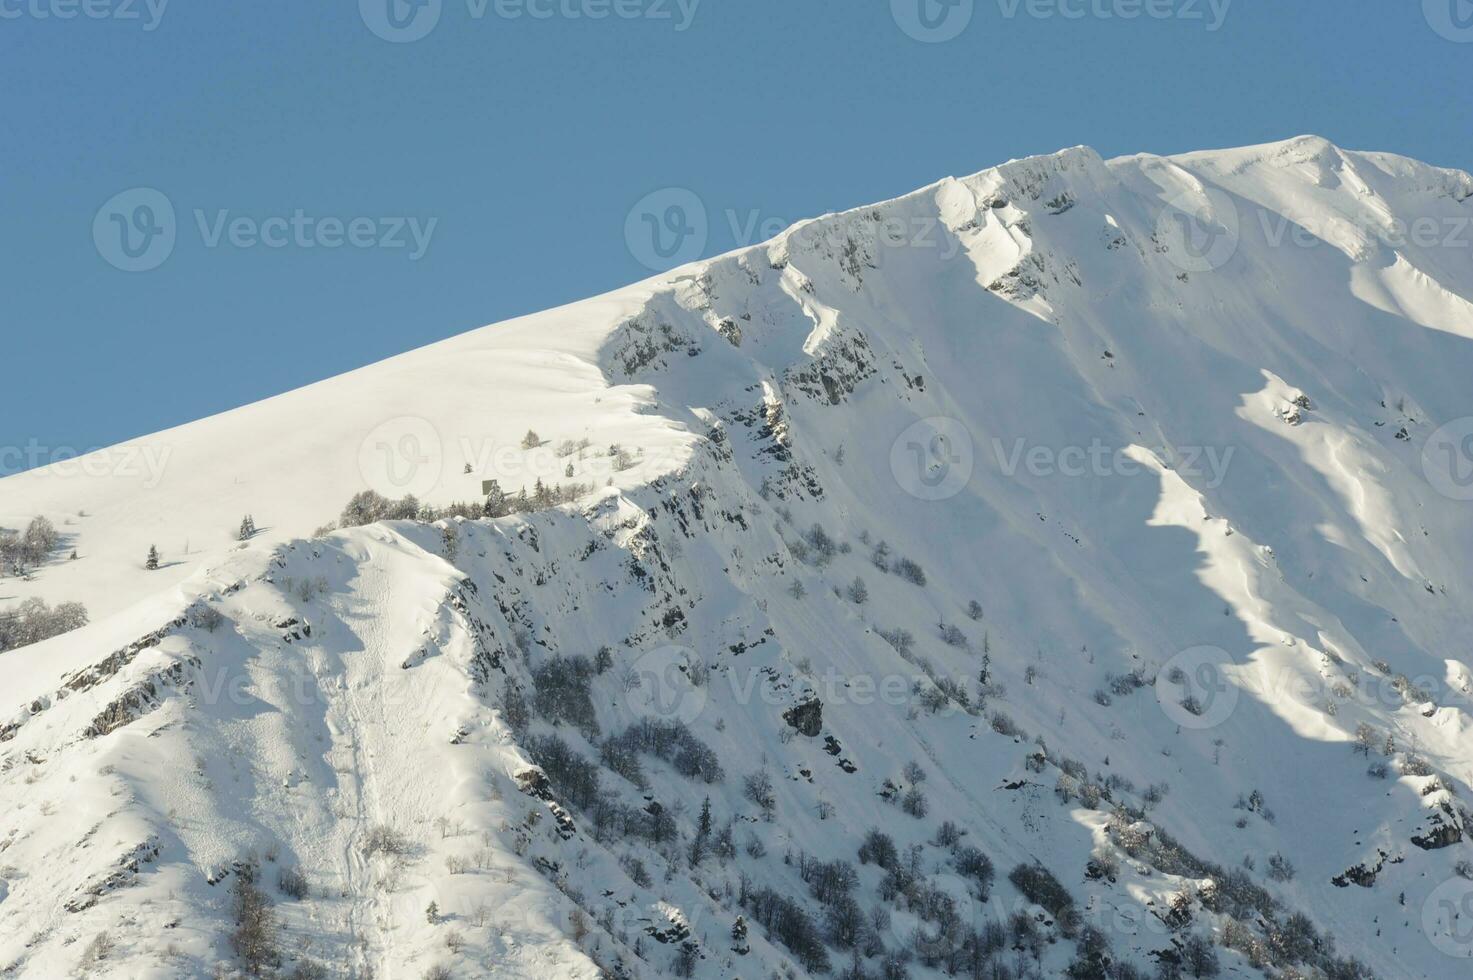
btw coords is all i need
(1071, 556)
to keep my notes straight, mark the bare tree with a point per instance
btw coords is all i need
(254, 937)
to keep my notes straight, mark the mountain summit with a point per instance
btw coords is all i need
(1057, 571)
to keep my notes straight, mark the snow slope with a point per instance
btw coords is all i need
(1204, 456)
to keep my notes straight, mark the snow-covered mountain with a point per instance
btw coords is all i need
(1059, 571)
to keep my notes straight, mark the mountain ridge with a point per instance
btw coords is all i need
(1167, 505)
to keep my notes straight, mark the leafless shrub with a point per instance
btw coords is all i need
(33, 621)
(383, 839)
(254, 935)
(99, 949)
(293, 883)
(205, 617)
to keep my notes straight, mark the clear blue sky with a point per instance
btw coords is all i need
(528, 139)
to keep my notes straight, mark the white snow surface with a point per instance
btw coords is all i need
(1044, 308)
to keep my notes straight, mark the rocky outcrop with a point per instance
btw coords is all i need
(807, 717)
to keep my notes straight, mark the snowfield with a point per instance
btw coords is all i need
(1096, 533)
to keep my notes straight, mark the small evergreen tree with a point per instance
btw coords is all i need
(152, 563)
(703, 834)
(496, 505)
(531, 440)
(432, 913)
(739, 935)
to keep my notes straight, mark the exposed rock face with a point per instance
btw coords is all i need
(1365, 874)
(807, 718)
(141, 699)
(1443, 830)
(534, 782)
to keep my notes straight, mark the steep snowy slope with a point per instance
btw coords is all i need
(1115, 513)
(408, 425)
